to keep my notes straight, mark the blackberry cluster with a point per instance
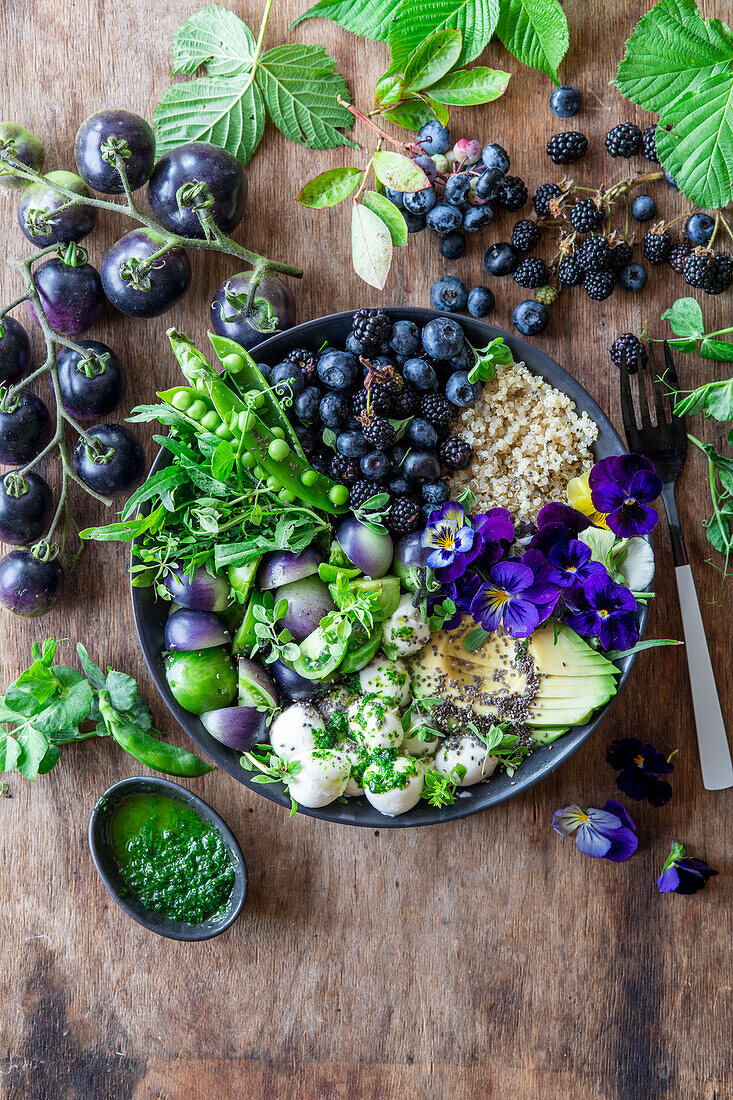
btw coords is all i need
(649, 143)
(360, 492)
(678, 255)
(711, 272)
(525, 236)
(544, 195)
(532, 273)
(621, 255)
(569, 271)
(378, 400)
(567, 148)
(379, 432)
(405, 403)
(404, 515)
(626, 350)
(437, 410)
(305, 359)
(586, 216)
(512, 193)
(625, 140)
(456, 453)
(599, 285)
(372, 328)
(657, 245)
(594, 255)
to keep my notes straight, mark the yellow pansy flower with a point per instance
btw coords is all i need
(578, 492)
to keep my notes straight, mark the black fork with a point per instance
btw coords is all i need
(663, 439)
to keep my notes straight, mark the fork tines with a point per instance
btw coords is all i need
(665, 434)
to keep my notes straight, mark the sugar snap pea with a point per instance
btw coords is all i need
(149, 750)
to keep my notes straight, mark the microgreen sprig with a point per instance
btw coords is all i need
(439, 789)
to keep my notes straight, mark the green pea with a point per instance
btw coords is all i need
(211, 421)
(182, 400)
(223, 432)
(309, 477)
(196, 410)
(200, 385)
(233, 362)
(245, 421)
(277, 432)
(259, 473)
(338, 495)
(273, 483)
(248, 460)
(278, 450)
(286, 496)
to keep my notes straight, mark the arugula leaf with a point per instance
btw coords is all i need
(301, 89)
(536, 32)
(368, 18)
(415, 20)
(329, 188)
(470, 87)
(371, 246)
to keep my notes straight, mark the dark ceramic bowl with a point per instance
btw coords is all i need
(150, 614)
(106, 862)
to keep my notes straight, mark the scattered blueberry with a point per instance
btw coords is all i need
(306, 404)
(334, 410)
(443, 218)
(457, 188)
(435, 492)
(352, 444)
(414, 222)
(501, 259)
(480, 301)
(421, 466)
(530, 317)
(422, 435)
(487, 184)
(375, 465)
(448, 293)
(476, 217)
(426, 162)
(452, 245)
(405, 338)
(643, 208)
(395, 197)
(566, 101)
(633, 277)
(287, 379)
(699, 228)
(337, 369)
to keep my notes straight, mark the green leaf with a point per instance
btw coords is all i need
(225, 111)
(389, 89)
(416, 20)
(698, 150)
(67, 711)
(50, 760)
(92, 672)
(469, 87)
(10, 752)
(216, 38)
(33, 747)
(475, 639)
(371, 246)
(720, 351)
(719, 400)
(410, 115)
(368, 18)
(399, 172)
(329, 188)
(300, 85)
(685, 318)
(122, 690)
(124, 532)
(222, 460)
(161, 483)
(440, 111)
(536, 32)
(389, 214)
(433, 58)
(653, 643)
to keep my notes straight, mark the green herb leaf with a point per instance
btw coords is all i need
(222, 460)
(486, 360)
(389, 214)
(685, 318)
(653, 643)
(67, 711)
(475, 639)
(329, 188)
(300, 85)
(162, 482)
(371, 246)
(399, 172)
(92, 672)
(433, 58)
(470, 87)
(226, 112)
(368, 18)
(122, 690)
(720, 351)
(416, 20)
(410, 115)
(536, 32)
(216, 38)
(33, 747)
(10, 752)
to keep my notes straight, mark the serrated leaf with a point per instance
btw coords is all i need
(216, 38)
(399, 172)
(300, 85)
(433, 58)
(410, 115)
(223, 111)
(698, 150)
(368, 18)
(389, 214)
(416, 20)
(371, 246)
(329, 188)
(536, 32)
(469, 87)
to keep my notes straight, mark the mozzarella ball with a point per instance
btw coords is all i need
(356, 757)
(470, 752)
(390, 680)
(417, 746)
(295, 729)
(375, 725)
(394, 789)
(404, 632)
(335, 702)
(322, 777)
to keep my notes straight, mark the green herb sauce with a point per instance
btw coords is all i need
(175, 863)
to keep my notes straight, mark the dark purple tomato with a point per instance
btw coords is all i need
(25, 428)
(203, 591)
(155, 289)
(198, 162)
(72, 297)
(94, 386)
(115, 465)
(186, 629)
(26, 148)
(25, 508)
(273, 309)
(15, 351)
(71, 224)
(293, 686)
(29, 586)
(125, 126)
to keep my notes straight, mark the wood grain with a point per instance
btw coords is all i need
(478, 959)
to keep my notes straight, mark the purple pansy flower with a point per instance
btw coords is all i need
(448, 537)
(602, 609)
(511, 599)
(639, 767)
(494, 534)
(622, 487)
(556, 525)
(601, 834)
(571, 563)
(682, 874)
(550, 593)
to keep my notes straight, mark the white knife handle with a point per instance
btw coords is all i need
(715, 758)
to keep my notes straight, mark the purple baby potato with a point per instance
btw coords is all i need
(71, 297)
(26, 148)
(187, 629)
(29, 586)
(201, 592)
(97, 387)
(293, 686)
(370, 551)
(25, 429)
(238, 728)
(198, 162)
(273, 299)
(15, 351)
(308, 601)
(283, 567)
(102, 174)
(71, 224)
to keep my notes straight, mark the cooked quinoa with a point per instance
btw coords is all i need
(528, 441)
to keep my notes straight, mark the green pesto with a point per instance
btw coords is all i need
(337, 726)
(383, 776)
(326, 738)
(175, 863)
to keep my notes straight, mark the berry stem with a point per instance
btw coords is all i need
(377, 129)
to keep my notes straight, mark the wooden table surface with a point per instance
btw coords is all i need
(481, 958)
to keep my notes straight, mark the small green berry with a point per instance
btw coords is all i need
(546, 295)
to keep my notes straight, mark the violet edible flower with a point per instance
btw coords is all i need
(571, 563)
(682, 874)
(622, 487)
(449, 537)
(511, 599)
(601, 834)
(600, 608)
(639, 767)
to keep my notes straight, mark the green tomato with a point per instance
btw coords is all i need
(203, 679)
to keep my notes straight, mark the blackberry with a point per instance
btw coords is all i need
(625, 140)
(599, 285)
(649, 143)
(594, 255)
(621, 256)
(343, 469)
(512, 193)
(657, 245)
(405, 403)
(586, 216)
(402, 516)
(569, 271)
(306, 360)
(437, 410)
(378, 399)
(525, 235)
(626, 350)
(567, 148)
(379, 432)
(710, 272)
(531, 273)
(544, 195)
(678, 255)
(371, 327)
(360, 492)
(456, 453)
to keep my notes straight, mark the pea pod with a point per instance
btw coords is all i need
(198, 407)
(150, 751)
(245, 637)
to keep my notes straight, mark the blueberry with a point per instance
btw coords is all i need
(433, 137)
(414, 222)
(530, 318)
(421, 466)
(405, 337)
(452, 245)
(422, 160)
(457, 188)
(443, 218)
(460, 391)
(265, 370)
(487, 184)
(352, 444)
(353, 345)
(395, 197)
(463, 361)
(334, 410)
(566, 101)
(419, 202)
(670, 180)
(449, 293)
(399, 486)
(420, 374)
(287, 380)
(643, 208)
(476, 217)
(380, 362)
(442, 338)
(375, 465)
(632, 277)
(422, 434)
(435, 492)
(337, 369)
(501, 259)
(480, 301)
(307, 403)
(699, 228)
(397, 456)
(494, 156)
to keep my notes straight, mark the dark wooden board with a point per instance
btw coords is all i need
(477, 959)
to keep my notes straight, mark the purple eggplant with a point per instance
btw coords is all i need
(201, 592)
(187, 629)
(238, 728)
(283, 567)
(308, 601)
(370, 551)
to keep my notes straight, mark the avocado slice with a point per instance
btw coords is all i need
(555, 687)
(560, 650)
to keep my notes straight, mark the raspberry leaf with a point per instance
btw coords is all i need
(216, 38)
(416, 20)
(536, 32)
(368, 18)
(301, 89)
(222, 111)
